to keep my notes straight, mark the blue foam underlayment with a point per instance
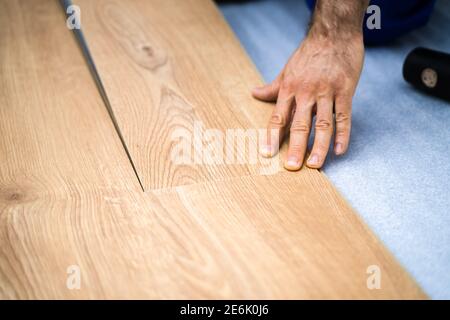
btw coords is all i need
(397, 171)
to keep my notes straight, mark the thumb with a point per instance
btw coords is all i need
(268, 92)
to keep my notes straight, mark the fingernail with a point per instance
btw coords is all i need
(338, 148)
(292, 163)
(266, 151)
(313, 160)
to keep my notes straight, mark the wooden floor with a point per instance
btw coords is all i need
(69, 194)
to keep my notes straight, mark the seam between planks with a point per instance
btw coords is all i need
(93, 70)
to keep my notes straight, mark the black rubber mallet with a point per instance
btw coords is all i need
(429, 71)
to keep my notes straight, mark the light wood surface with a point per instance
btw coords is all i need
(163, 74)
(69, 196)
(289, 236)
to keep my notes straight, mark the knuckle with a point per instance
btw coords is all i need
(308, 85)
(286, 84)
(296, 148)
(342, 117)
(342, 133)
(323, 124)
(300, 126)
(324, 90)
(277, 120)
(340, 80)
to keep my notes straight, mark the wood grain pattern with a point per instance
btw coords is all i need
(58, 147)
(165, 69)
(245, 243)
(290, 236)
(55, 132)
(68, 196)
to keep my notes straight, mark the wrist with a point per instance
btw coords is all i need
(338, 20)
(338, 29)
(322, 33)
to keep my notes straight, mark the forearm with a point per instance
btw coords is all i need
(339, 19)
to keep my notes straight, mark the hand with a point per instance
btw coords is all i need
(320, 78)
(320, 75)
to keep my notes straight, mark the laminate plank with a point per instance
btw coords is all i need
(56, 142)
(247, 238)
(290, 237)
(165, 66)
(54, 128)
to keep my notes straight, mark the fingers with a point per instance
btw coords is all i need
(299, 133)
(323, 133)
(343, 109)
(268, 92)
(301, 125)
(277, 123)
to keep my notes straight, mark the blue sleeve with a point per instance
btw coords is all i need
(397, 18)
